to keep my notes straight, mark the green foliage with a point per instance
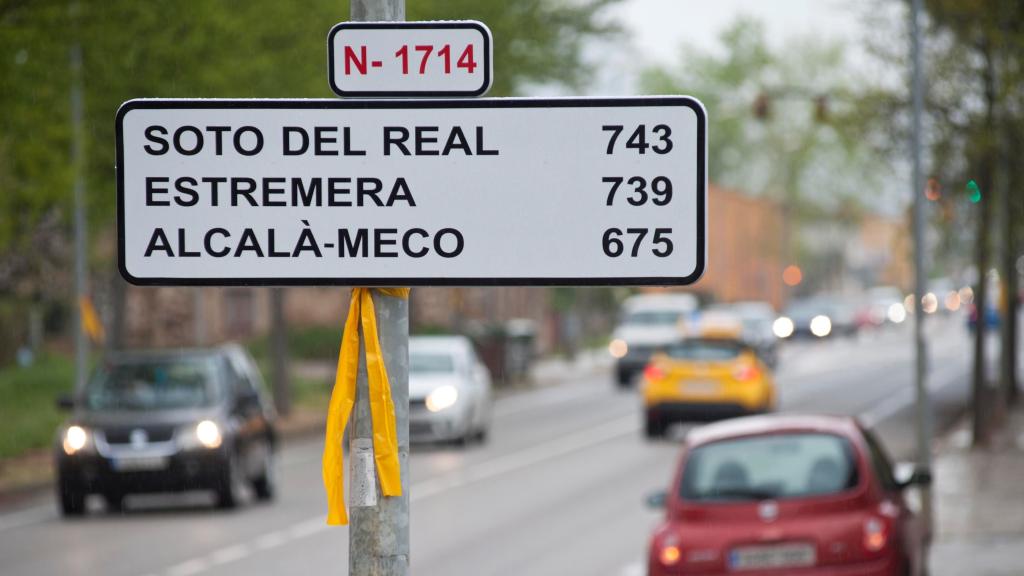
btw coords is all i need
(198, 49)
(535, 41)
(310, 343)
(803, 151)
(28, 410)
(974, 97)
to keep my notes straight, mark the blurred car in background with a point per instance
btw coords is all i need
(885, 305)
(450, 397)
(757, 319)
(712, 375)
(788, 495)
(820, 316)
(167, 421)
(649, 322)
(937, 297)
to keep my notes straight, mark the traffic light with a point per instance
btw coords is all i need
(762, 106)
(933, 190)
(974, 193)
(821, 109)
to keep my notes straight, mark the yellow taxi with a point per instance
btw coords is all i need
(712, 374)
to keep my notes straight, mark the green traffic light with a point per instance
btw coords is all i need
(974, 191)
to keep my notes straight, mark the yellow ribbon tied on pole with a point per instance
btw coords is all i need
(343, 398)
(91, 323)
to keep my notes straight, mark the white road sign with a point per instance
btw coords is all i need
(409, 58)
(412, 192)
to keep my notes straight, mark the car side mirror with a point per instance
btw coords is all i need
(246, 399)
(909, 474)
(65, 402)
(657, 500)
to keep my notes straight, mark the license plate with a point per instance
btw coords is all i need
(776, 556)
(700, 387)
(139, 463)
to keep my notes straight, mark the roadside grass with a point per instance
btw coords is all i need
(309, 343)
(307, 391)
(28, 409)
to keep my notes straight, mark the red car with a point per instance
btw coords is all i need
(793, 495)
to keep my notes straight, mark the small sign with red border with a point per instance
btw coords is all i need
(429, 59)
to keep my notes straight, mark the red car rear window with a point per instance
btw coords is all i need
(777, 466)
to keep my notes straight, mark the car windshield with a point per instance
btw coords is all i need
(777, 466)
(705, 350)
(652, 318)
(431, 363)
(154, 385)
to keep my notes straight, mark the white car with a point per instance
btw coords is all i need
(649, 322)
(756, 319)
(450, 396)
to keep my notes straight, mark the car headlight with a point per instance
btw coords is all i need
(930, 303)
(208, 434)
(783, 327)
(205, 434)
(76, 439)
(442, 397)
(821, 326)
(618, 348)
(897, 313)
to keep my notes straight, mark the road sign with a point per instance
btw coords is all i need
(412, 192)
(409, 58)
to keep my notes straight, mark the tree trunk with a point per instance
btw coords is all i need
(979, 391)
(279, 352)
(115, 339)
(1011, 208)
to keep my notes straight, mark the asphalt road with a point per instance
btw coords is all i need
(558, 490)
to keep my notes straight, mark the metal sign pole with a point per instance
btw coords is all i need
(78, 163)
(923, 412)
(379, 527)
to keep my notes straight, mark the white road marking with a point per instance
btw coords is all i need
(482, 471)
(307, 528)
(27, 516)
(890, 405)
(526, 458)
(189, 567)
(230, 554)
(503, 408)
(271, 540)
(632, 569)
(545, 397)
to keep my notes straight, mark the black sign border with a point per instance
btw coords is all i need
(215, 104)
(445, 25)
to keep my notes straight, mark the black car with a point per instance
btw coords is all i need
(167, 421)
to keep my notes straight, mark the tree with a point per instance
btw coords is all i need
(989, 36)
(198, 49)
(975, 114)
(781, 123)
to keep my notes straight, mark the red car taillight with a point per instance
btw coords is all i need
(652, 372)
(876, 534)
(669, 555)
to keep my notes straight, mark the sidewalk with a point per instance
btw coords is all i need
(979, 503)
